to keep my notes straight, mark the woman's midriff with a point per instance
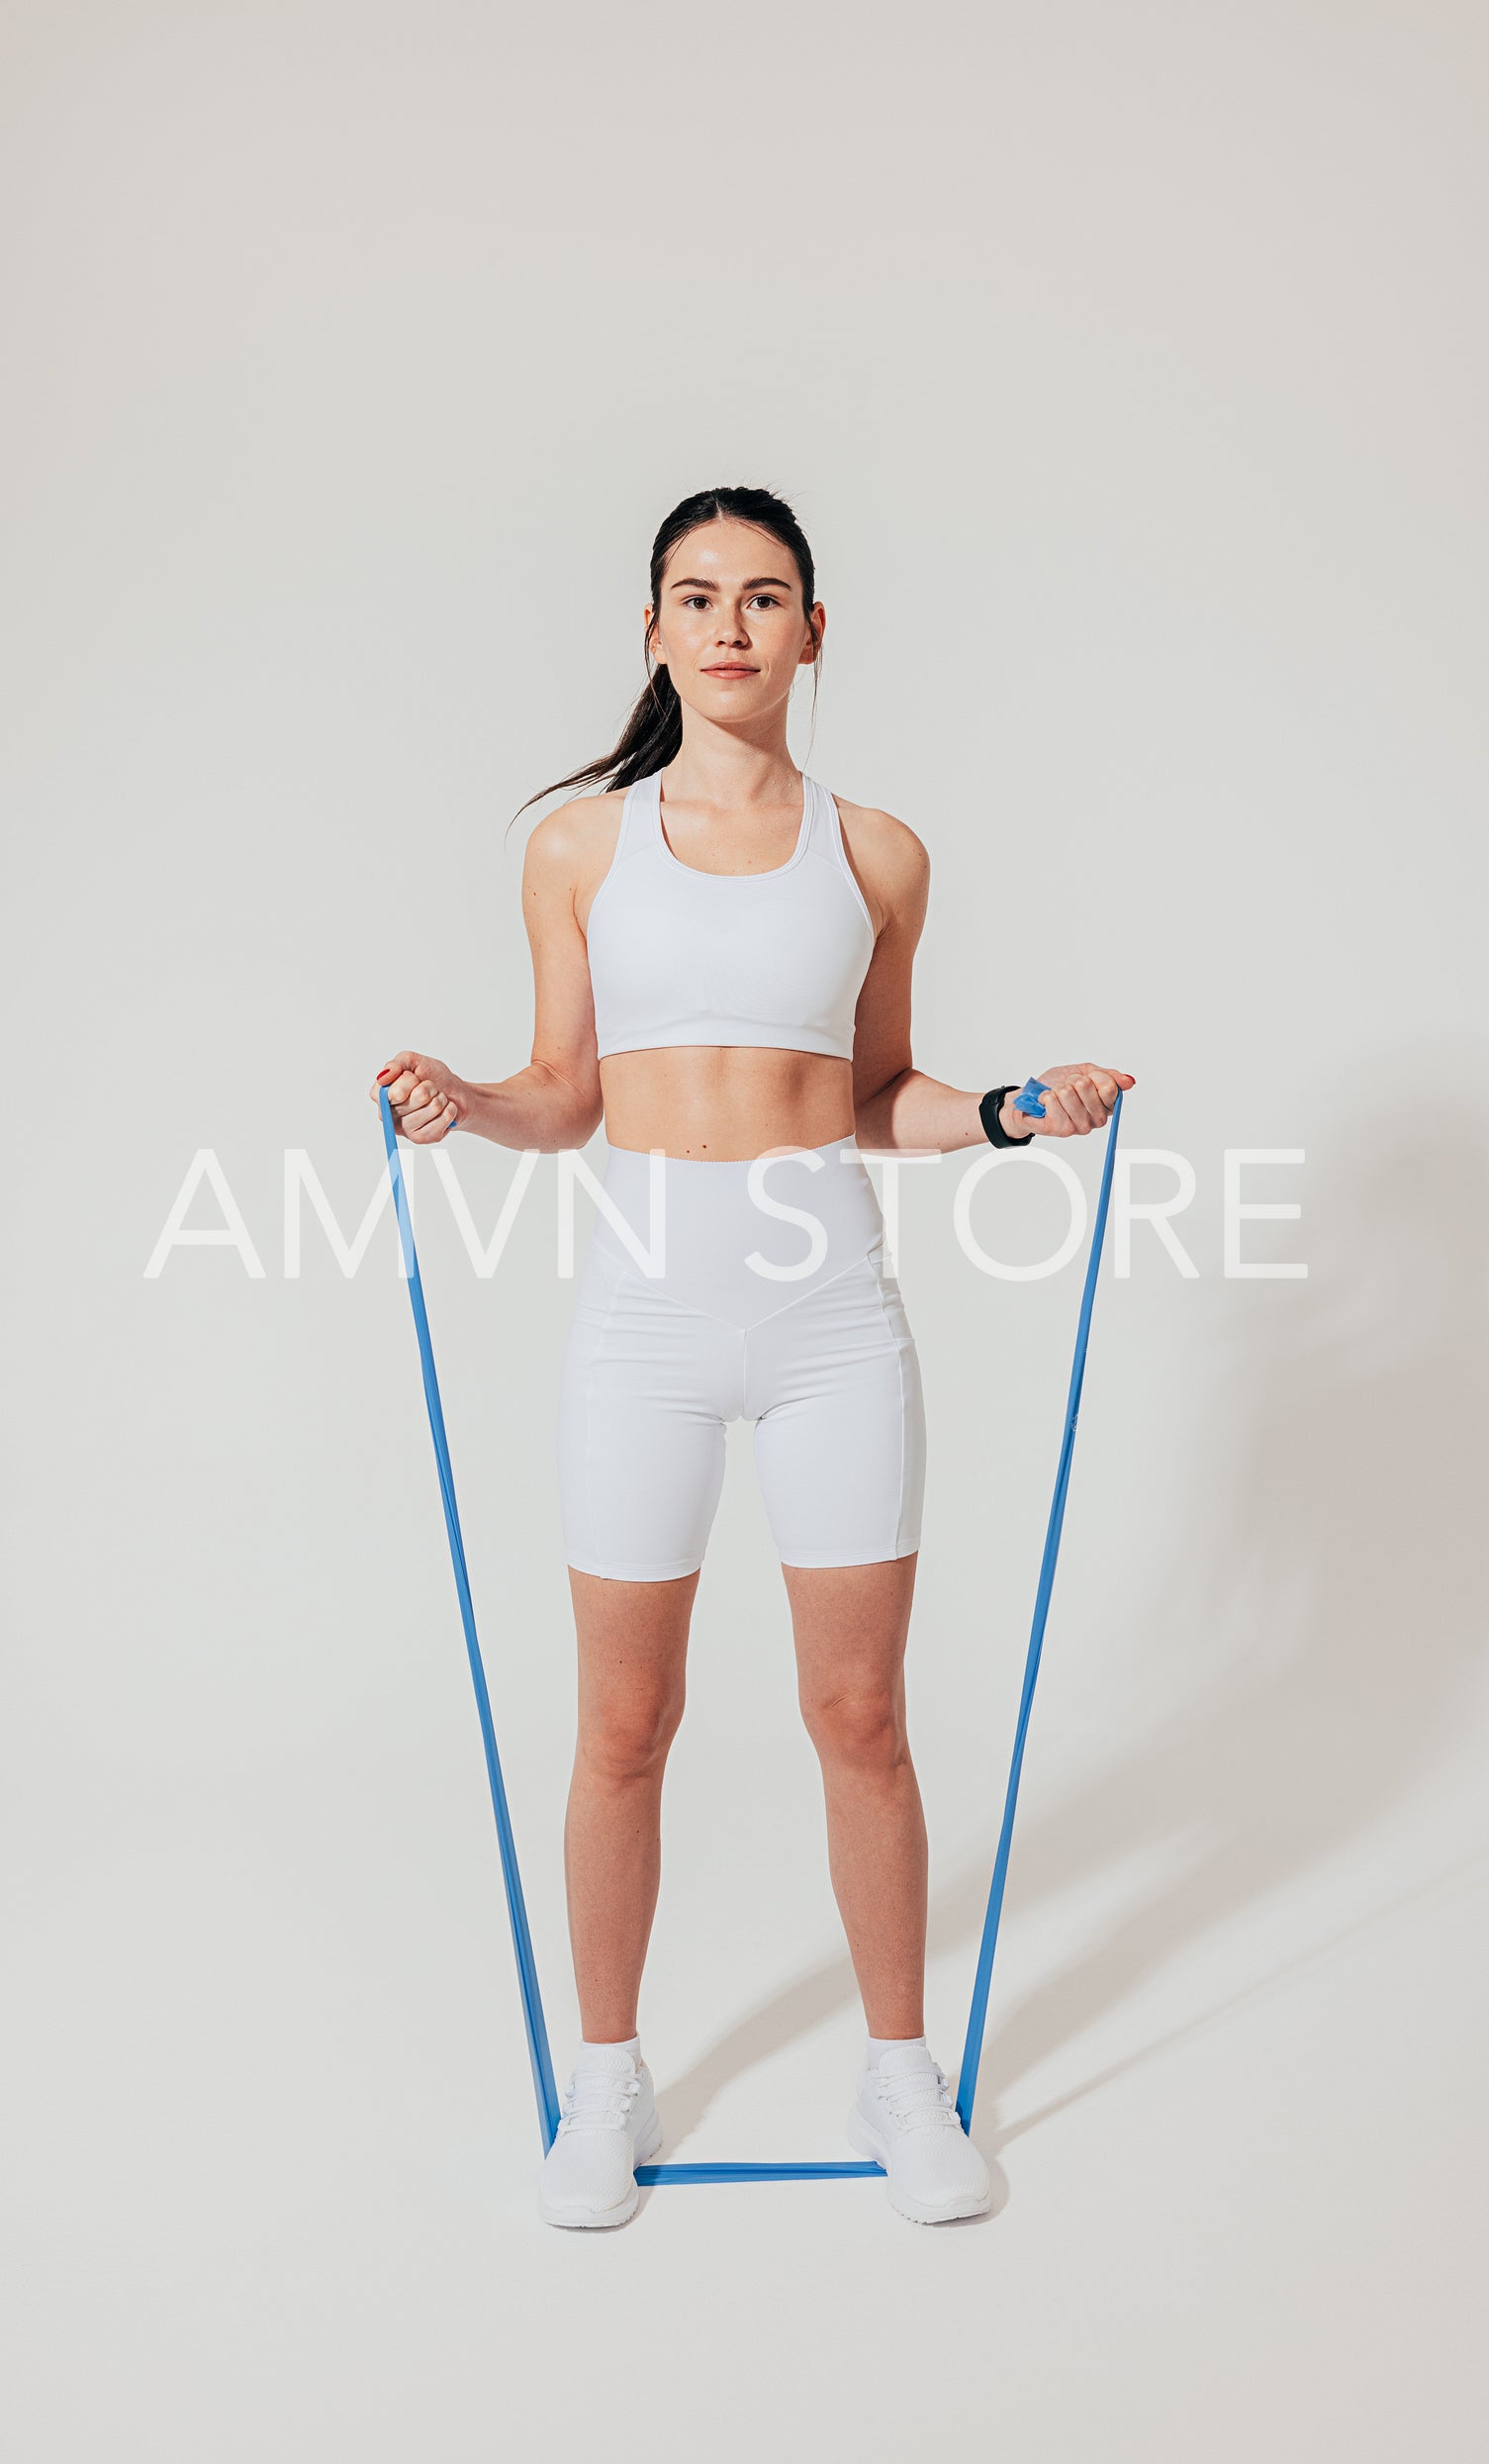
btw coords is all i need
(728, 1102)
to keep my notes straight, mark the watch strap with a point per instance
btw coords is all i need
(987, 1113)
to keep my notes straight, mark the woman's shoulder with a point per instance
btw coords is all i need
(889, 863)
(570, 841)
(882, 844)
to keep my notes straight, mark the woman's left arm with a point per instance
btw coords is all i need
(898, 1107)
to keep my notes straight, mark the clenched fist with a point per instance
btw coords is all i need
(1079, 1097)
(427, 1100)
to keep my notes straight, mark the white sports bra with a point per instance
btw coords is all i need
(682, 957)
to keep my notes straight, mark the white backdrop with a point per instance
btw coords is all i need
(1125, 367)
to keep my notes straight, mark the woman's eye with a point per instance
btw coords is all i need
(758, 599)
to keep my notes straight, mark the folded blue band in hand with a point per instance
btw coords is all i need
(1028, 1098)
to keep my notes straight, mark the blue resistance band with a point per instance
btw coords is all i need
(971, 2051)
(532, 2004)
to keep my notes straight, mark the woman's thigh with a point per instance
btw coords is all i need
(632, 1639)
(644, 1388)
(850, 1623)
(834, 1390)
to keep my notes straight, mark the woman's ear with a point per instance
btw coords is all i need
(817, 620)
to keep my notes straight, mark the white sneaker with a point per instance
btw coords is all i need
(905, 2116)
(608, 2126)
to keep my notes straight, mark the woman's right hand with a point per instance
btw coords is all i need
(427, 1100)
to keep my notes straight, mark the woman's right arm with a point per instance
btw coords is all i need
(555, 1101)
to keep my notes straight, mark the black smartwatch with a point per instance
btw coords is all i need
(988, 1112)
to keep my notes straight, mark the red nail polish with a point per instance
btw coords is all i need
(383, 1075)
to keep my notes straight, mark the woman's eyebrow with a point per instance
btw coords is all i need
(690, 581)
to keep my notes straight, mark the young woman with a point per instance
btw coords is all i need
(723, 955)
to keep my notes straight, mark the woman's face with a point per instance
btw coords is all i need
(731, 628)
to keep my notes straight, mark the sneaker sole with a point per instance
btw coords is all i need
(863, 2136)
(603, 2219)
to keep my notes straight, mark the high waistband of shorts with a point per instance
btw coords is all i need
(706, 1220)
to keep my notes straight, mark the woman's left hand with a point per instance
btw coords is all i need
(1079, 1096)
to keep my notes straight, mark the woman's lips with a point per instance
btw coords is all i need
(732, 670)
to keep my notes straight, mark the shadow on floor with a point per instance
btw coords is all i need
(1318, 1637)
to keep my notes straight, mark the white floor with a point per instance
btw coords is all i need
(281, 2202)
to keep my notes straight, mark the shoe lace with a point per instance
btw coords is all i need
(599, 2100)
(920, 2100)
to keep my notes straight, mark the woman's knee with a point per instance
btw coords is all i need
(630, 1738)
(858, 1727)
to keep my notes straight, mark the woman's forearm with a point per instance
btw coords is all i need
(923, 1115)
(535, 1110)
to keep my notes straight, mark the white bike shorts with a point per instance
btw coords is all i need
(718, 1291)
